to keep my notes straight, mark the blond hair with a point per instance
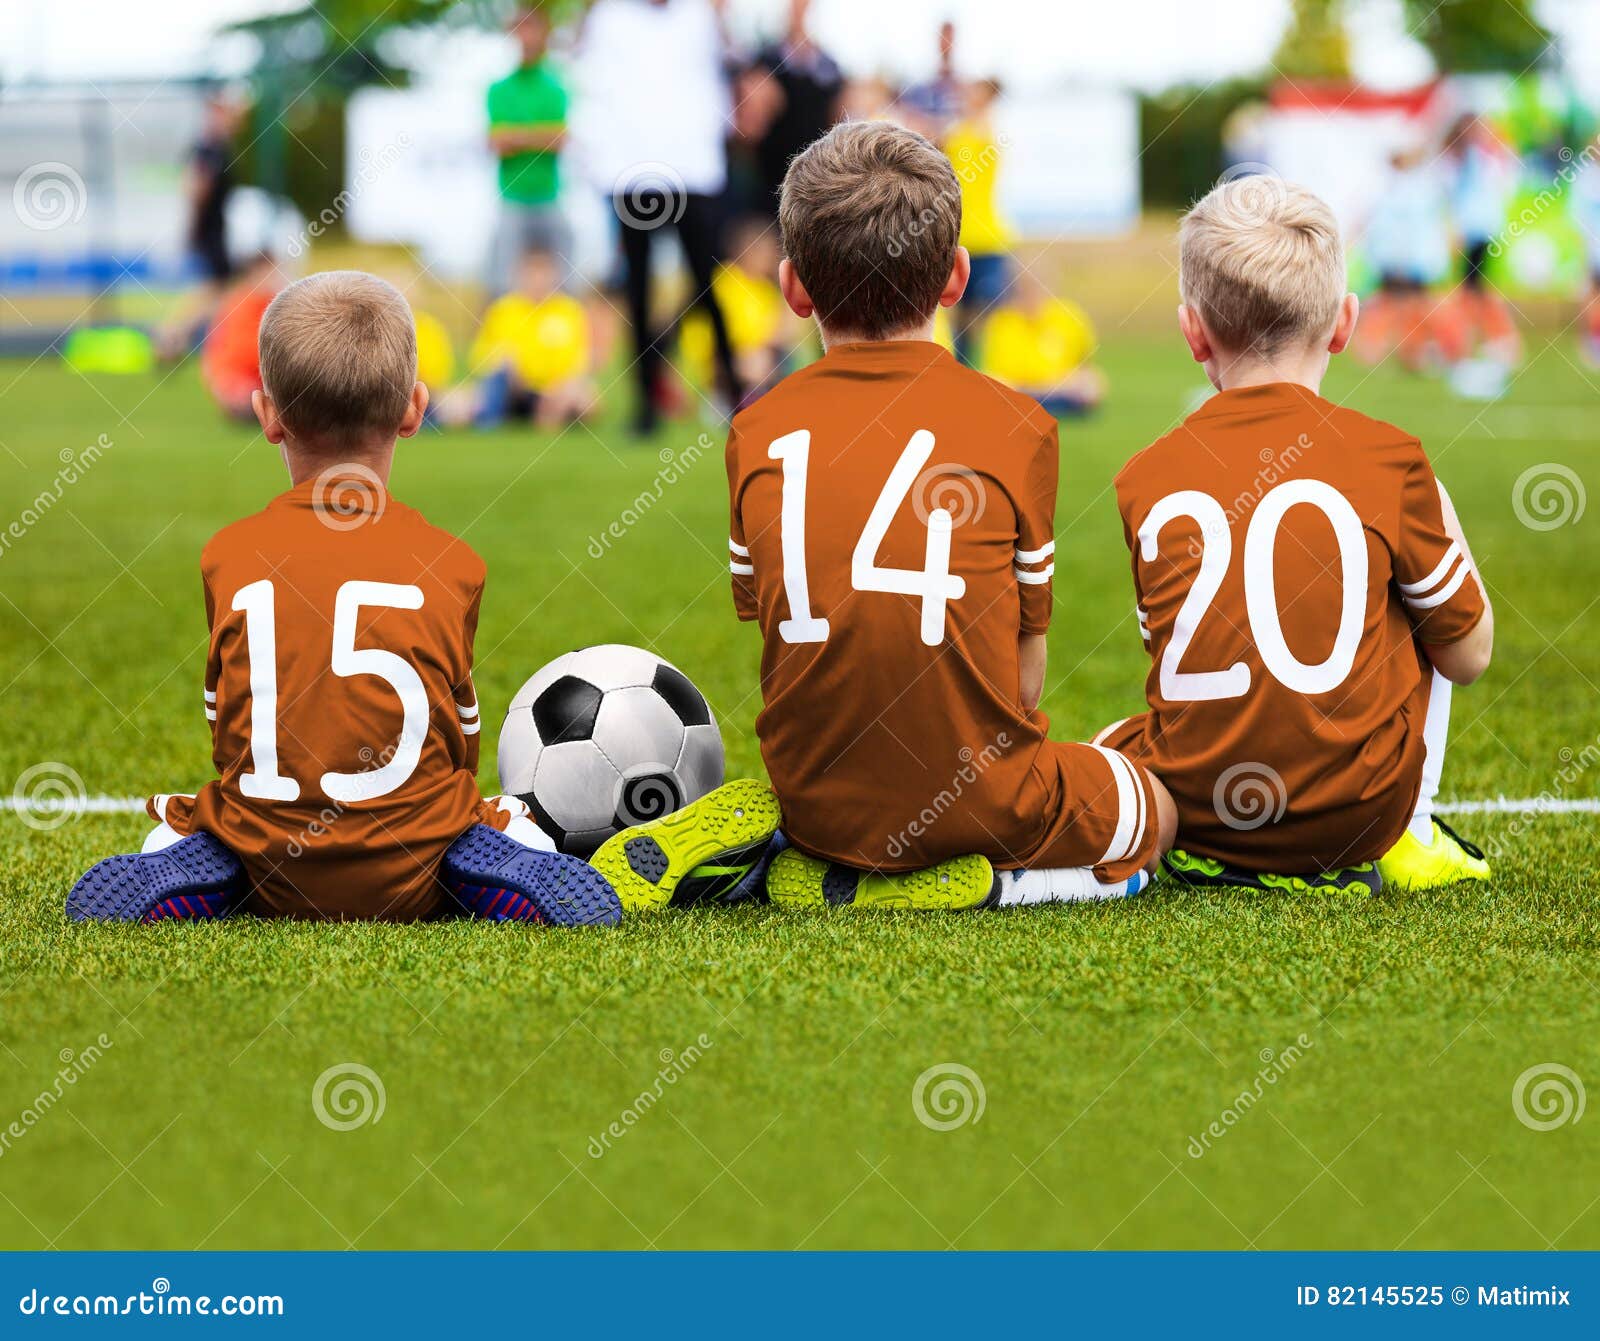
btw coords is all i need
(1261, 261)
(870, 215)
(339, 356)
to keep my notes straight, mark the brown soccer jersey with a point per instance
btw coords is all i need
(1289, 556)
(339, 688)
(893, 532)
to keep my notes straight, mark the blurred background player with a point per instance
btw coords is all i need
(230, 364)
(763, 330)
(791, 89)
(665, 162)
(931, 106)
(1408, 242)
(207, 183)
(1481, 177)
(533, 352)
(527, 131)
(975, 151)
(1042, 345)
(1586, 214)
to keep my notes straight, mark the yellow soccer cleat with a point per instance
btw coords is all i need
(646, 863)
(795, 880)
(1412, 865)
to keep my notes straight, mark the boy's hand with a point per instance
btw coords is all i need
(1031, 650)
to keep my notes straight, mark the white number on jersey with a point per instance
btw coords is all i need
(1260, 590)
(264, 781)
(933, 582)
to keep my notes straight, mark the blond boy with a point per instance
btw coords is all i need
(1302, 583)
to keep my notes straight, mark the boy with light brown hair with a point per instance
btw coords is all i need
(1303, 585)
(892, 530)
(338, 681)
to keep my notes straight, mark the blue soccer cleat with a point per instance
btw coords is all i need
(495, 877)
(194, 879)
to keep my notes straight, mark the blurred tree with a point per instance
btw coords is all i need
(1469, 36)
(1315, 44)
(311, 60)
(1180, 138)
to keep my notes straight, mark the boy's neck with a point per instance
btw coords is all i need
(1305, 367)
(306, 462)
(830, 338)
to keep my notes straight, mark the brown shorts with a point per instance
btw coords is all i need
(1104, 812)
(1361, 830)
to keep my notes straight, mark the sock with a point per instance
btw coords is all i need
(1435, 731)
(1063, 884)
(521, 825)
(163, 835)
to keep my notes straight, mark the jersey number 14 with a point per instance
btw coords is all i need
(933, 582)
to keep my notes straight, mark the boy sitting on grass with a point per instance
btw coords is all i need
(338, 682)
(1302, 582)
(892, 531)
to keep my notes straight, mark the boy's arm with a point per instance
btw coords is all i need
(1032, 651)
(1463, 661)
(1437, 580)
(466, 693)
(1034, 562)
(741, 570)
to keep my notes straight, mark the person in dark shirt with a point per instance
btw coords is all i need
(207, 184)
(807, 81)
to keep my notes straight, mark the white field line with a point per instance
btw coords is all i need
(1497, 805)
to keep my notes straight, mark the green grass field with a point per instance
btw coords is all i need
(1384, 1038)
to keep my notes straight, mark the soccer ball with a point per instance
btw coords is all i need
(605, 738)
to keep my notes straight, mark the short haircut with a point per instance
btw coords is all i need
(870, 216)
(1260, 259)
(339, 356)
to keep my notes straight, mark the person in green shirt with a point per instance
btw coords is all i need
(527, 130)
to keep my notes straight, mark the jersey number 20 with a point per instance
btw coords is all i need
(1260, 590)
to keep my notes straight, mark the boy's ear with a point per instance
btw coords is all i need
(267, 417)
(1195, 334)
(960, 273)
(414, 412)
(1345, 326)
(794, 292)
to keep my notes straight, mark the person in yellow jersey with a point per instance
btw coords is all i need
(1043, 346)
(533, 351)
(436, 356)
(974, 148)
(763, 331)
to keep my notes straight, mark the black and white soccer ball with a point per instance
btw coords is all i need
(605, 738)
